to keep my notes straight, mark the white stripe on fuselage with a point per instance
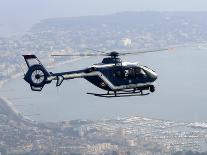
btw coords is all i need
(105, 79)
(113, 87)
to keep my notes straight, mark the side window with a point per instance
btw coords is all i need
(139, 73)
(129, 73)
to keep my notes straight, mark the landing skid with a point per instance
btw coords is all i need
(120, 94)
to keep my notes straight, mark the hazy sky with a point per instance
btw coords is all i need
(20, 14)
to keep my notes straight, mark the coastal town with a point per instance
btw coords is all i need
(131, 135)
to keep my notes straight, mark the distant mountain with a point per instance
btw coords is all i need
(129, 20)
(143, 28)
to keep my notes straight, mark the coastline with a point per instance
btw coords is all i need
(9, 108)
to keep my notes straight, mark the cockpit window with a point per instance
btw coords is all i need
(140, 73)
(130, 73)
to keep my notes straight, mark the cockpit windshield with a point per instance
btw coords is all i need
(139, 72)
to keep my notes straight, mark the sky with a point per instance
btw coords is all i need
(18, 15)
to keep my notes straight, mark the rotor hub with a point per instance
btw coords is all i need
(37, 76)
(114, 54)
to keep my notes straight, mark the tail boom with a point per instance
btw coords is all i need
(37, 75)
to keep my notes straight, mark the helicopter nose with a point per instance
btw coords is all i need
(153, 76)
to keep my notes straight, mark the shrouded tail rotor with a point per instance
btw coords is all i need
(37, 75)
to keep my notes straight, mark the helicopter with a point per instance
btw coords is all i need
(112, 75)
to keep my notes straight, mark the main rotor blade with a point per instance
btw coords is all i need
(79, 55)
(90, 49)
(172, 48)
(146, 51)
(109, 53)
(99, 53)
(137, 51)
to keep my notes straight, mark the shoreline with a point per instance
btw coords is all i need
(9, 107)
(11, 111)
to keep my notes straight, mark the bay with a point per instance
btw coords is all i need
(181, 92)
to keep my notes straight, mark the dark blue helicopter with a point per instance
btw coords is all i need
(112, 75)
